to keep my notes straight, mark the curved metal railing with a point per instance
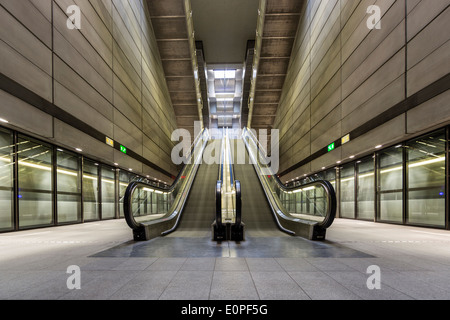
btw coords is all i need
(307, 210)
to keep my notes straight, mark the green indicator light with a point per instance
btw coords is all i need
(331, 147)
(123, 149)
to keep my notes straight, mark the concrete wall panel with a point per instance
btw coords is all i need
(343, 75)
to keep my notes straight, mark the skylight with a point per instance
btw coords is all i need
(225, 74)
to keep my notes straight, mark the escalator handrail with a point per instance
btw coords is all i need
(327, 186)
(219, 203)
(127, 202)
(178, 178)
(219, 185)
(237, 186)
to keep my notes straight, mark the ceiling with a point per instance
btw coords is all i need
(224, 27)
(168, 18)
(280, 29)
(225, 31)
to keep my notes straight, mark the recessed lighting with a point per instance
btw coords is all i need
(130, 169)
(323, 168)
(338, 162)
(60, 150)
(4, 120)
(78, 149)
(116, 164)
(96, 164)
(352, 157)
(378, 146)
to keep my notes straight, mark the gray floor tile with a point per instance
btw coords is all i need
(263, 264)
(189, 285)
(147, 285)
(296, 264)
(320, 286)
(231, 264)
(17, 285)
(100, 286)
(329, 264)
(52, 289)
(135, 264)
(99, 264)
(277, 286)
(167, 264)
(357, 283)
(233, 285)
(415, 286)
(199, 264)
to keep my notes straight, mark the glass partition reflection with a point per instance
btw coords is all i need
(347, 191)
(108, 192)
(366, 189)
(35, 183)
(68, 187)
(426, 180)
(6, 181)
(390, 184)
(90, 191)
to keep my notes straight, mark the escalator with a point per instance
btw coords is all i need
(152, 212)
(306, 211)
(189, 206)
(257, 214)
(208, 197)
(198, 214)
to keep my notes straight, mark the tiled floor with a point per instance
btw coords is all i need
(414, 264)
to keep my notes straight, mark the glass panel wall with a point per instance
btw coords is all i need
(347, 191)
(35, 183)
(108, 192)
(366, 189)
(426, 180)
(68, 187)
(6, 181)
(90, 191)
(124, 180)
(390, 185)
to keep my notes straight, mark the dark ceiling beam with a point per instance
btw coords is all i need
(281, 20)
(169, 23)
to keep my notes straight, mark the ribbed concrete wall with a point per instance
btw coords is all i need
(342, 75)
(109, 75)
